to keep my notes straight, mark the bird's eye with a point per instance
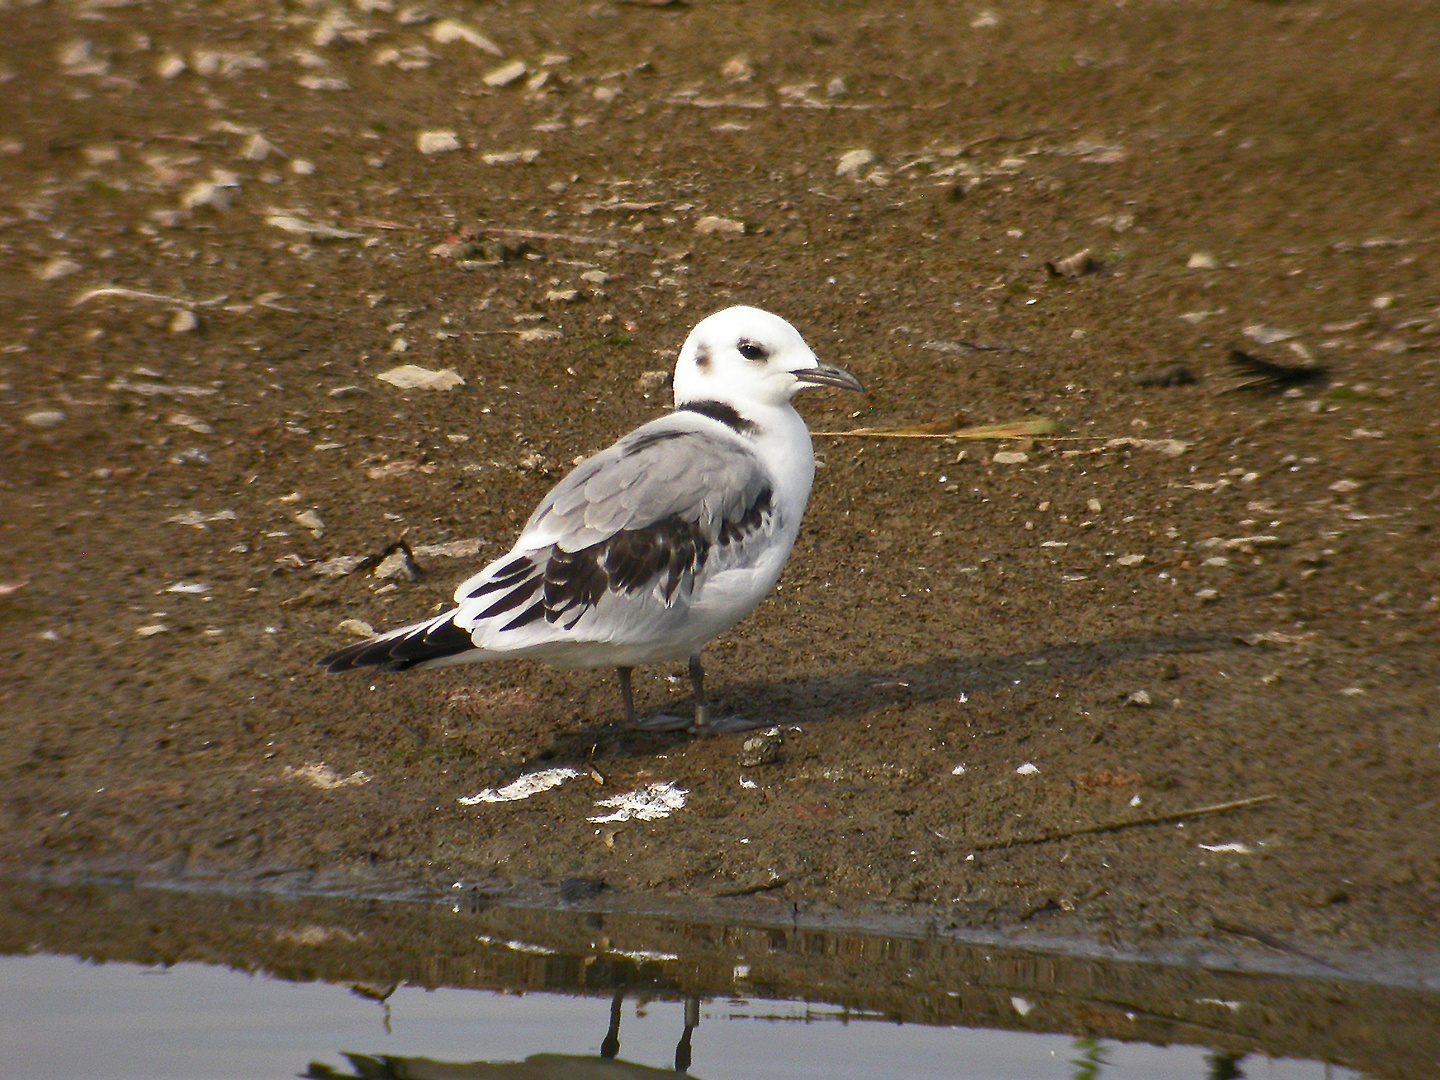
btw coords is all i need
(751, 351)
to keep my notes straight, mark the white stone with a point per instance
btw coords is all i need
(853, 161)
(506, 74)
(437, 142)
(711, 224)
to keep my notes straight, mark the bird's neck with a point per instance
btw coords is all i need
(776, 430)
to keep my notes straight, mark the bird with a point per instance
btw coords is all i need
(656, 545)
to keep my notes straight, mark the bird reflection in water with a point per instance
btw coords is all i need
(608, 1066)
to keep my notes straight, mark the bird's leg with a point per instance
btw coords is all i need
(692, 1021)
(627, 695)
(705, 724)
(610, 1047)
(702, 706)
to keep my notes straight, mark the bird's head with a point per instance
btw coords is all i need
(743, 355)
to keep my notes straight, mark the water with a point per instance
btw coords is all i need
(114, 983)
(65, 1018)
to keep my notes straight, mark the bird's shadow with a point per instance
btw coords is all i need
(864, 691)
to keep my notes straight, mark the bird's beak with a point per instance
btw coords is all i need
(828, 375)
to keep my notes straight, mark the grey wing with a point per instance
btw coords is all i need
(636, 524)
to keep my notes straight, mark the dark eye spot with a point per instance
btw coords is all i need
(751, 351)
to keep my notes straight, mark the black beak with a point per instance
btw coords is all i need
(827, 375)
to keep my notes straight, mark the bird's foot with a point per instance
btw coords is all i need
(663, 722)
(713, 725)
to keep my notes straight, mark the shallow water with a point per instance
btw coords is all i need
(123, 981)
(68, 1018)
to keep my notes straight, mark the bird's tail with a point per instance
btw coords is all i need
(426, 643)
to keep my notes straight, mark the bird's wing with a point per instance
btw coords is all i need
(624, 537)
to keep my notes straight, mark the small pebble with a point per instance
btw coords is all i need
(1074, 266)
(711, 224)
(57, 268)
(506, 74)
(437, 142)
(45, 418)
(510, 157)
(1268, 335)
(1203, 260)
(737, 70)
(853, 161)
(184, 321)
(309, 519)
(256, 148)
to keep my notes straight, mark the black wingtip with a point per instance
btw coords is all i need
(400, 652)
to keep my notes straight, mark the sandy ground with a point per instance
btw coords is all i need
(986, 657)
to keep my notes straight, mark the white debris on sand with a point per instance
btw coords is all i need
(198, 519)
(650, 803)
(412, 377)
(315, 230)
(522, 788)
(323, 776)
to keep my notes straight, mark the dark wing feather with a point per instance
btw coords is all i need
(405, 649)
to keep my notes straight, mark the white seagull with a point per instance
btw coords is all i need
(654, 546)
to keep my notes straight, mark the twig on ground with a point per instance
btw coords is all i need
(1124, 823)
(1028, 427)
(140, 294)
(568, 238)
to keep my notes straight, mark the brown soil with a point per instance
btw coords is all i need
(946, 605)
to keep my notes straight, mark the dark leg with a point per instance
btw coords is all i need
(697, 680)
(692, 1021)
(611, 1044)
(627, 695)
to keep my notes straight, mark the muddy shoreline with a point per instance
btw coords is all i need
(217, 227)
